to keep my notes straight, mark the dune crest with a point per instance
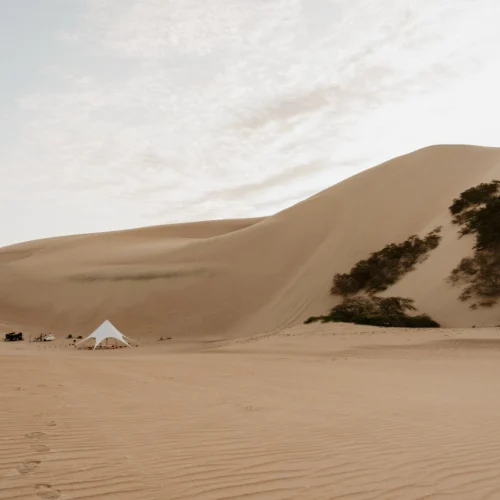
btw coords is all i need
(238, 277)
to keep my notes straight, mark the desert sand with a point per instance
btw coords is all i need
(246, 401)
(312, 412)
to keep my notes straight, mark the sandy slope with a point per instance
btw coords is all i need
(311, 413)
(231, 278)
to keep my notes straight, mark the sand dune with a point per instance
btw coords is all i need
(313, 412)
(247, 402)
(236, 277)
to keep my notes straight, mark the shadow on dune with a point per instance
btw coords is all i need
(133, 274)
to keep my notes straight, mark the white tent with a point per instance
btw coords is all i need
(107, 331)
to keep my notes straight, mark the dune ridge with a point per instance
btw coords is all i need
(245, 401)
(233, 278)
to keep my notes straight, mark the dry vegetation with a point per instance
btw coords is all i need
(385, 267)
(377, 311)
(477, 212)
(376, 274)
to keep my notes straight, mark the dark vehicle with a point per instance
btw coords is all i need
(13, 337)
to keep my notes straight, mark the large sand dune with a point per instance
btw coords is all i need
(232, 278)
(239, 404)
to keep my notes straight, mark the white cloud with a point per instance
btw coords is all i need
(208, 108)
(65, 36)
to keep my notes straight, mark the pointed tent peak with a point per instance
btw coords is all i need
(106, 323)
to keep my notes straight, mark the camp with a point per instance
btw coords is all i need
(107, 331)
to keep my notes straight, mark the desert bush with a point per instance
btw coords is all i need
(384, 267)
(376, 311)
(477, 212)
(421, 321)
(69, 336)
(472, 198)
(481, 276)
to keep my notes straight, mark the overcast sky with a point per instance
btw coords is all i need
(124, 113)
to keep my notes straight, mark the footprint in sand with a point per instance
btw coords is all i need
(34, 435)
(50, 423)
(28, 466)
(253, 408)
(40, 448)
(47, 491)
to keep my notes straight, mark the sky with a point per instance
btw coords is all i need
(127, 113)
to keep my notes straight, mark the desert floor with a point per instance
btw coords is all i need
(316, 412)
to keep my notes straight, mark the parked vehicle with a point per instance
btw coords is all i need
(48, 337)
(13, 337)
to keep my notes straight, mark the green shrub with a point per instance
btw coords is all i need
(472, 198)
(421, 321)
(376, 311)
(477, 212)
(481, 276)
(69, 336)
(385, 267)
